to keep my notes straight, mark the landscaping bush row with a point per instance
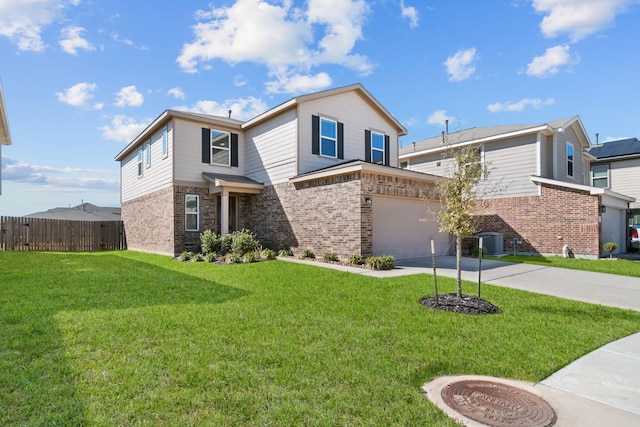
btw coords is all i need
(243, 247)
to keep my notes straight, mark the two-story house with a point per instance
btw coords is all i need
(617, 167)
(319, 171)
(5, 136)
(539, 195)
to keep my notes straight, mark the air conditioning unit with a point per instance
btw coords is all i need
(493, 242)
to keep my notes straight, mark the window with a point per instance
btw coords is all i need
(192, 212)
(165, 143)
(600, 176)
(328, 137)
(147, 154)
(139, 162)
(569, 159)
(220, 147)
(377, 148)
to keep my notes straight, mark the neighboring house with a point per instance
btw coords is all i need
(617, 168)
(83, 212)
(539, 195)
(317, 172)
(5, 136)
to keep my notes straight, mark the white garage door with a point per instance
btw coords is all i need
(404, 228)
(613, 229)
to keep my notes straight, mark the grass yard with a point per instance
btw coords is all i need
(125, 338)
(623, 267)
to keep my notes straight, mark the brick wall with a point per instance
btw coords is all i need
(190, 240)
(148, 222)
(547, 222)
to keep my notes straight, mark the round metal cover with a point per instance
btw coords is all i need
(497, 405)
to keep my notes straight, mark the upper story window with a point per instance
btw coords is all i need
(600, 176)
(377, 148)
(147, 154)
(165, 143)
(327, 137)
(569, 159)
(219, 147)
(191, 212)
(139, 162)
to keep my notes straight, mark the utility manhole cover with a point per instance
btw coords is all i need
(497, 404)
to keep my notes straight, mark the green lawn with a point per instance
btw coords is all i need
(621, 267)
(124, 338)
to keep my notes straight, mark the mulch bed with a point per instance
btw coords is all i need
(468, 304)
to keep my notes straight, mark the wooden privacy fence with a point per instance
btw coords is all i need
(37, 234)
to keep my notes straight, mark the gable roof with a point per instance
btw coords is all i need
(357, 88)
(83, 212)
(478, 135)
(620, 148)
(5, 136)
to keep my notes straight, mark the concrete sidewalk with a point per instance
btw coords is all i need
(600, 388)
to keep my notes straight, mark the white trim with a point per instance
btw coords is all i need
(591, 190)
(361, 166)
(196, 213)
(378, 149)
(226, 148)
(328, 138)
(147, 154)
(572, 161)
(165, 142)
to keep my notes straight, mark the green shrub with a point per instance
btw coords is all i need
(249, 257)
(232, 258)
(474, 250)
(307, 253)
(356, 259)
(243, 242)
(386, 262)
(185, 256)
(225, 243)
(198, 258)
(211, 256)
(610, 247)
(285, 252)
(210, 242)
(330, 257)
(268, 254)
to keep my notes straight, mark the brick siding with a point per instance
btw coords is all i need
(547, 222)
(148, 222)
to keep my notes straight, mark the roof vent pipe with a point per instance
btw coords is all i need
(597, 137)
(229, 113)
(443, 137)
(414, 146)
(446, 123)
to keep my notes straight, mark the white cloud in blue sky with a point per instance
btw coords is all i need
(81, 78)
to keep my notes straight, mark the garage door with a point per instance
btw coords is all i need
(613, 229)
(404, 228)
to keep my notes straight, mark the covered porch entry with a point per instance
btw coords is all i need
(229, 188)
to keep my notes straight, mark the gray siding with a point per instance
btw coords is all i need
(511, 162)
(625, 178)
(155, 177)
(357, 115)
(188, 152)
(546, 156)
(563, 138)
(270, 152)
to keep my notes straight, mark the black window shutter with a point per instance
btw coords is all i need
(206, 145)
(386, 150)
(340, 140)
(234, 149)
(315, 135)
(367, 146)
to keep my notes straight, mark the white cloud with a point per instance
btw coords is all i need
(460, 66)
(279, 36)
(61, 179)
(509, 106)
(550, 63)
(241, 108)
(71, 40)
(239, 80)
(123, 128)
(578, 18)
(177, 93)
(23, 21)
(299, 83)
(129, 97)
(78, 95)
(440, 117)
(410, 13)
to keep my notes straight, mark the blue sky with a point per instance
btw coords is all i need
(81, 78)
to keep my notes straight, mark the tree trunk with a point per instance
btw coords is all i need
(459, 266)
